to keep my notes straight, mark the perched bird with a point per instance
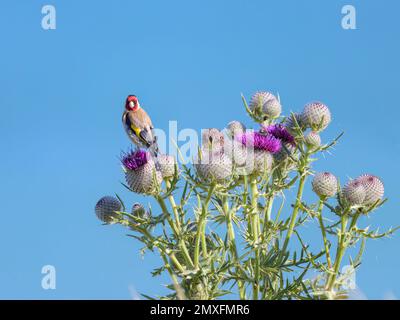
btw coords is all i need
(138, 125)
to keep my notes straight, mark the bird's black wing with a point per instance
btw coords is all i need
(143, 135)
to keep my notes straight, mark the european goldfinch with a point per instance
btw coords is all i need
(138, 125)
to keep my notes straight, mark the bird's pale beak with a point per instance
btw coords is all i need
(131, 104)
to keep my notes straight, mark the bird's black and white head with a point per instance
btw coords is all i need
(132, 103)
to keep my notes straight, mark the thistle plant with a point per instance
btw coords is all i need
(225, 225)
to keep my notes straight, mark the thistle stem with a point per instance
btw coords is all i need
(295, 212)
(174, 207)
(176, 232)
(354, 220)
(201, 229)
(204, 241)
(176, 262)
(339, 252)
(231, 241)
(178, 288)
(342, 245)
(323, 231)
(267, 213)
(255, 229)
(162, 251)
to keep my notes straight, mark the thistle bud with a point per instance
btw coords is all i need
(106, 207)
(262, 162)
(267, 103)
(212, 139)
(325, 184)
(139, 211)
(236, 151)
(235, 128)
(259, 98)
(167, 165)
(213, 166)
(316, 116)
(294, 122)
(272, 108)
(140, 172)
(313, 140)
(374, 188)
(354, 193)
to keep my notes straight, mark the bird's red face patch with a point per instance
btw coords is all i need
(131, 103)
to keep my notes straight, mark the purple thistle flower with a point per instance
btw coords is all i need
(259, 141)
(133, 160)
(280, 132)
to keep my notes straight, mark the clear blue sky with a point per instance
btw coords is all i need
(61, 98)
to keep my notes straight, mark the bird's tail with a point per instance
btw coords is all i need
(154, 151)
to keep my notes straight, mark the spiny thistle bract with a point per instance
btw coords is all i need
(316, 116)
(374, 188)
(239, 182)
(325, 184)
(106, 207)
(140, 172)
